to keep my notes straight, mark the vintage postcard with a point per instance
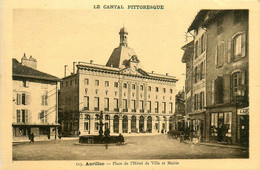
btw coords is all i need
(129, 84)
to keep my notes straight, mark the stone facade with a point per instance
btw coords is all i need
(132, 100)
(221, 44)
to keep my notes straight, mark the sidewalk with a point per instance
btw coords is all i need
(218, 145)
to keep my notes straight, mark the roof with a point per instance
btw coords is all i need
(112, 70)
(120, 57)
(20, 70)
(197, 20)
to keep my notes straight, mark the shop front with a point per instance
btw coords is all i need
(243, 126)
(197, 126)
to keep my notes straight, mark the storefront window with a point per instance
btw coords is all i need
(217, 124)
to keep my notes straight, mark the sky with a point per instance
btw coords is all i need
(58, 37)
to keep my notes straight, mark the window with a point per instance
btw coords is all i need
(201, 100)
(86, 81)
(219, 90)
(149, 88)
(203, 43)
(237, 46)
(171, 91)
(133, 86)
(22, 116)
(227, 123)
(141, 106)
(43, 116)
(44, 100)
(202, 71)
(164, 107)
(156, 107)
(96, 103)
(106, 104)
(107, 83)
(71, 82)
(221, 121)
(149, 106)
(116, 104)
(219, 25)
(164, 90)
(219, 60)
(124, 105)
(116, 84)
(25, 83)
(195, 74)
(196, 50)
(141, 87)
(125, 85)
(76, 81)
(86, 102)
(236, 84)
(170, 107)
(133, 106)
(96, 82)
(156, 89)
(22, 98)
(86, 125)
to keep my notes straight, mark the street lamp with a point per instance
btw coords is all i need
(101, 124)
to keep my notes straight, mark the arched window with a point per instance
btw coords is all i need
(133, 124)
(116, 124)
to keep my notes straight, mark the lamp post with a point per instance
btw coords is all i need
(101, 124)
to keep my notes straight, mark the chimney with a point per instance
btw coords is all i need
(91, 61)
(31, 62)
(167, 74)
(65, 68)
(152, 72)
(74, 67)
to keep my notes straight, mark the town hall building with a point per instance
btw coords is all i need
(131, 99)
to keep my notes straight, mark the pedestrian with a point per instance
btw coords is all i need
(32, 138)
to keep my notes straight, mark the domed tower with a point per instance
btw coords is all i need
(123, 37)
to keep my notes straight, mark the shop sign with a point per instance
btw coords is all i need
(244, 111)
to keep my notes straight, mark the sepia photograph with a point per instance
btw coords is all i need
(126, 85)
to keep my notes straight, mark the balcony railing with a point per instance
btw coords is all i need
(96, 108)
(116, 109)
(133, 110)
(148, 111)
(125, 110)
(141, 110)
(106, 109)
(86, 108)
(170, 111)
(156, 110)
(163, 111)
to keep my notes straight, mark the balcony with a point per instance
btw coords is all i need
(141, 110)
(156, 110)
(170, 111)
(125, 110)
(86, 108)
(163, 111)
(116, 109)
(106, 109)
(133, 110)
(96, 108)
(148, 111)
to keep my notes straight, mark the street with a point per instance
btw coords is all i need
(138, 147)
